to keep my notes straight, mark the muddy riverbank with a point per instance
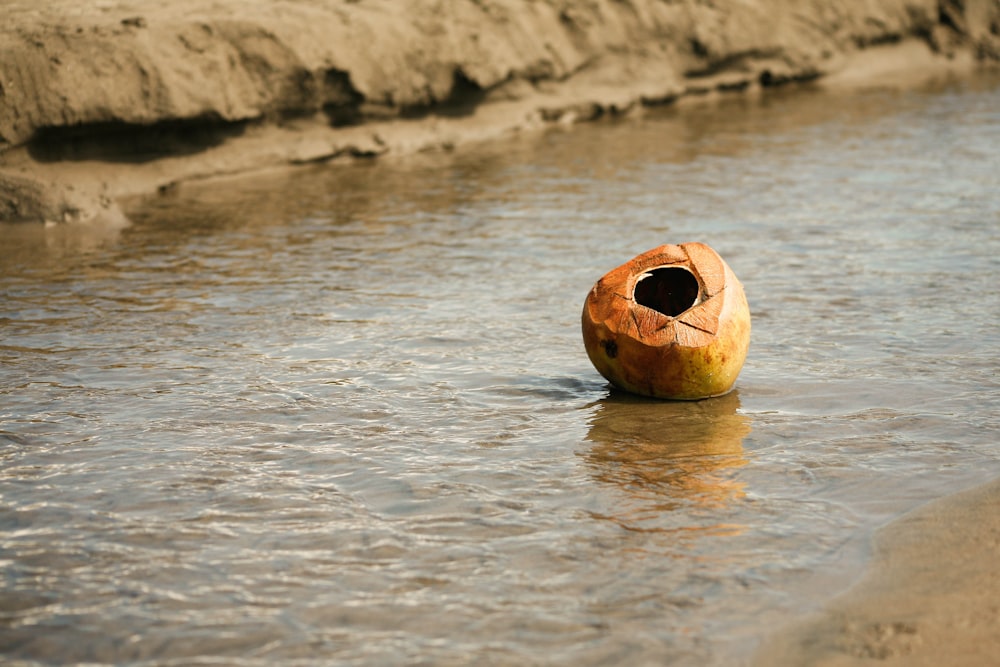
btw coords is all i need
(121, 98)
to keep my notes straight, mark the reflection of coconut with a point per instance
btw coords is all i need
(669, 453)
(671, 323)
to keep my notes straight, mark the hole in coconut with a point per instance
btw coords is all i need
(670, 290)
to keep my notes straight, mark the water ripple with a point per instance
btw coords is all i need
(345, 415)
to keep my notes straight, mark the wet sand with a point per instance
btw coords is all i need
(930, 597)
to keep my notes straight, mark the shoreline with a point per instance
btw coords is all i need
(128, 99)
(930, 595)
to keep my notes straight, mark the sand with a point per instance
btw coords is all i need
(103, 100)
(930, 598)
(116, 98)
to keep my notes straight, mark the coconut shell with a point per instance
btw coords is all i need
(671, 323)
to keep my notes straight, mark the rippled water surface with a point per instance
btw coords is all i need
(344, 415)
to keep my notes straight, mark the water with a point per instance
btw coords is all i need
(344, 415)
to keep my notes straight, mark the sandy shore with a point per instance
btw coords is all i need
(930, 598)
(123, 97)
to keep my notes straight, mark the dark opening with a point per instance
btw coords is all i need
(462, 100)
(341, 100)
(670, 290)
(119, 141)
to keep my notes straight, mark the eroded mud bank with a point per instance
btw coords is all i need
(119, 97)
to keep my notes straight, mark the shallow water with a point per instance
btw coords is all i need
(344, 415)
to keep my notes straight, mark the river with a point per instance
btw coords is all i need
(343, 414)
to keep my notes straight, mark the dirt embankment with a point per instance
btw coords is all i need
(123, 97)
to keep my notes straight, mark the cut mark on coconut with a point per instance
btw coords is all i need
(670, 290)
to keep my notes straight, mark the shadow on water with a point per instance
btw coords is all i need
(667, 456)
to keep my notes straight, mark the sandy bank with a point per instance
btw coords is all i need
(931, 597)
(122, 97)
